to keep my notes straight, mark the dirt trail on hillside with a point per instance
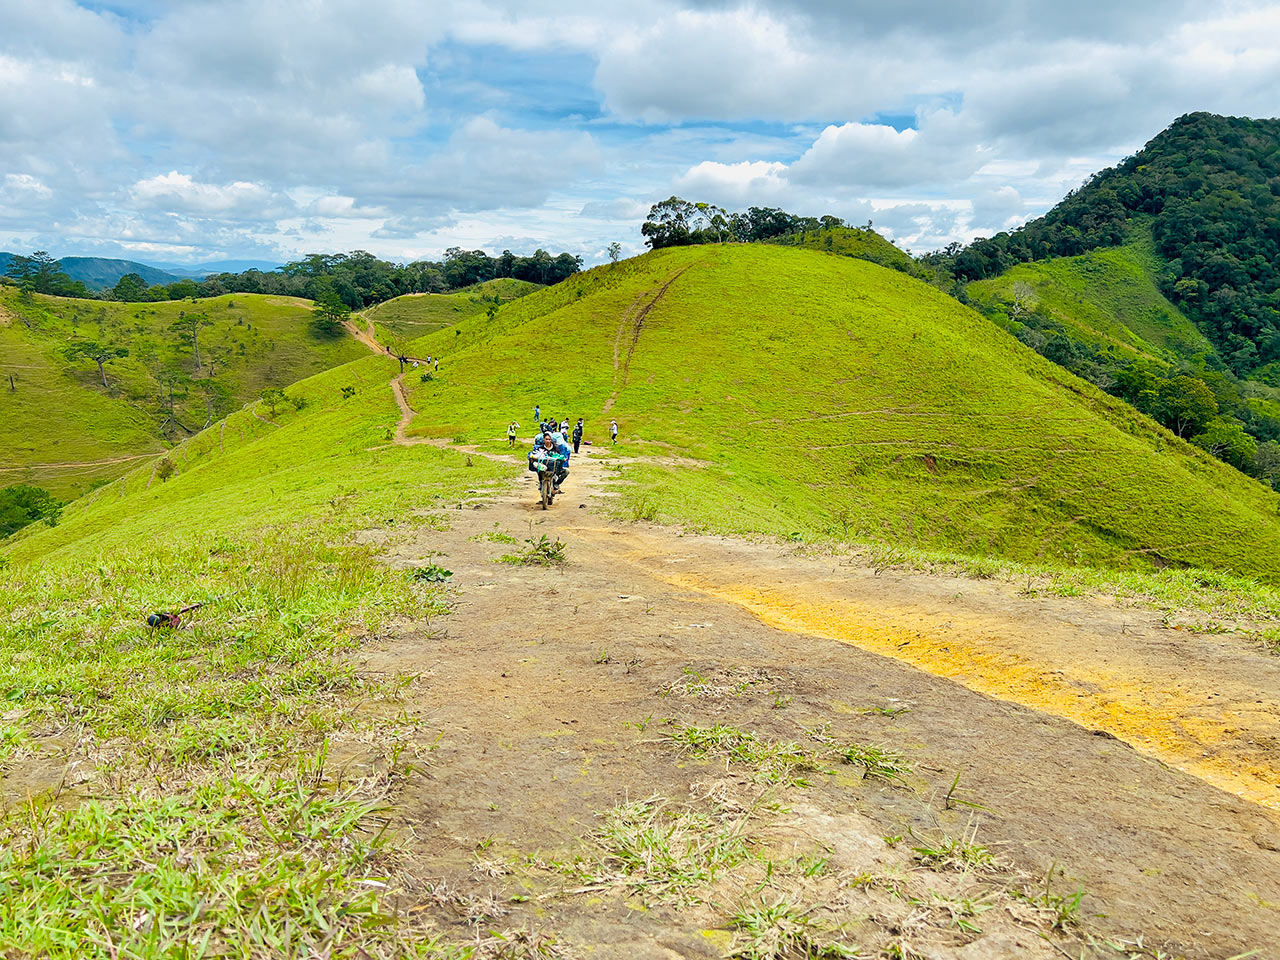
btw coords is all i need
(75, 463)
(1144, 761)
(365, 336)
(537, 672)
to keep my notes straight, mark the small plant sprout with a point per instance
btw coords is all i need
(950, 799)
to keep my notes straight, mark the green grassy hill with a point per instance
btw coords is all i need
(417, 314)
(1108, 299)
(58, 423)
(853, 242)
(826, 396)
(792, 393)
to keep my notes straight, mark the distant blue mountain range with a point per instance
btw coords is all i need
(99, 273)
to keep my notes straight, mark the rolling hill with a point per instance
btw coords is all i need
(783, 391)
(101, 273)
(1108, 299)
(417, 314)
(61, 429)
(793, 393)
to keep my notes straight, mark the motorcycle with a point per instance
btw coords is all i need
(548, 466)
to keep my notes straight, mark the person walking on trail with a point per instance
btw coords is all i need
(564, 428)
(577, 434)
(512, 427)
(537, 413)
(613, 431)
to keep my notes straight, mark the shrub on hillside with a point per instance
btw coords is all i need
(22, 505)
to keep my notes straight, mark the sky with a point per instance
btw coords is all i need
(184, 132)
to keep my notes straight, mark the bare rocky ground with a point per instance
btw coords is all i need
(625, 752)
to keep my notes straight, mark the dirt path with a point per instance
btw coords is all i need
(538, 674)
(1144, 761)
(77, 463)
(365, 336)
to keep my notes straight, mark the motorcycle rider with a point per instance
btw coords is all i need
(553, 452)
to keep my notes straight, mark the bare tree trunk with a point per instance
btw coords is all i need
(103, 372)
(195, 339)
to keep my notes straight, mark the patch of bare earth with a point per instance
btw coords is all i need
(684, 746)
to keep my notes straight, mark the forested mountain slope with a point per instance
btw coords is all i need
(1208, 188)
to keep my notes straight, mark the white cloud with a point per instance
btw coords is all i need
(877, 155)
(753, 182)
(178, 192)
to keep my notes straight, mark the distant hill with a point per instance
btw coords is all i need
(61, 429)
(781, 391)
(1207, 189)
(199, 271)
(100, 273)
(1108, 299)
(417, 314)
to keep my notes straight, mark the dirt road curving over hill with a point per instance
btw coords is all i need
(1140, 760)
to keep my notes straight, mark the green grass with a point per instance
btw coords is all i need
(825, 398)
(775, 762)
(195, 834)
(1107, 298)
(658, 851)
(241, 867)
(853, 242)
(417, 314)
(61, 413)
(782, 931)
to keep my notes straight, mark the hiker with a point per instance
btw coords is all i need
(537, 413)
(551, 445)
(512, 427)
(564, 427)
(613, 431)
(577, 434)
(437, 364)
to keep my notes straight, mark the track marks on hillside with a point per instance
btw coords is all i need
(632, 323)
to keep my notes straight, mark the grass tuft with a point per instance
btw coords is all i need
(661, 852)
(782, 931)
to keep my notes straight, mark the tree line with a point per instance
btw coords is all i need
(676, 222)
(357, 279)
